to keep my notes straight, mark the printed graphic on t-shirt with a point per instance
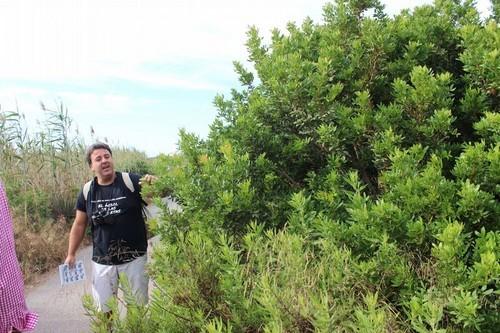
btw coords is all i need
(106, 208)
(119, 250)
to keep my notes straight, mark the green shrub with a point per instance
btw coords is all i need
(352, 188)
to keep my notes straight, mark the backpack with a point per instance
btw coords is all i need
(126, 180)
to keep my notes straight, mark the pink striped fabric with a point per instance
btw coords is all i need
(13, 311)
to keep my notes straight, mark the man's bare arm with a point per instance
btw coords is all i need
(76, 236)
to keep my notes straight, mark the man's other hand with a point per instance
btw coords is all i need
(147, 179)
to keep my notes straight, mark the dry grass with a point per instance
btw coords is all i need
(40, 249)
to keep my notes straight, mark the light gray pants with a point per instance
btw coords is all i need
(105, 281)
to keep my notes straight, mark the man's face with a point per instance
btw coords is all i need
(102, 163)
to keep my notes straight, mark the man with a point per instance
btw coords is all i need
(112, 205)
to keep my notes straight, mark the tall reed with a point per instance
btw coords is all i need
(44, 169)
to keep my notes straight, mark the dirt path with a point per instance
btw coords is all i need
(60, 308)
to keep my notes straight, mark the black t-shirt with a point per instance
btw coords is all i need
(116, 220)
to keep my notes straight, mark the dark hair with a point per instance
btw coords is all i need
(95, 146)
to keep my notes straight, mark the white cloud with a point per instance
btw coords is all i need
(91, 105)
(49, 47)
(90, 39)
(71, 40)
(164, 79)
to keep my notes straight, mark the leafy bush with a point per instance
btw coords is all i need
(353, 187)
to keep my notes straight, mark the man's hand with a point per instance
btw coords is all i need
(147, 179)
(70, 260)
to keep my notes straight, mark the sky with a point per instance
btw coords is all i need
(135, 71)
